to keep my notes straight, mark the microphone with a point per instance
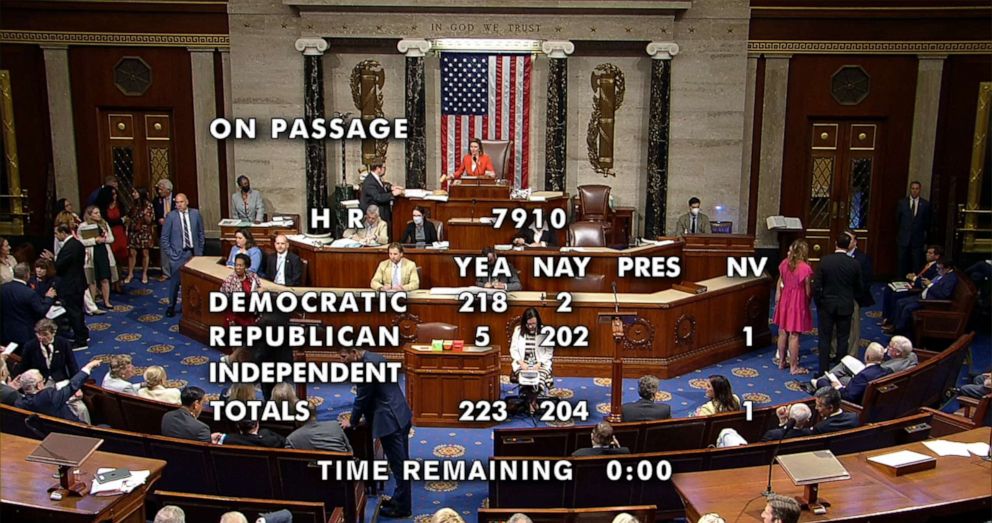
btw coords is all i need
(791, 424)
(616, 300)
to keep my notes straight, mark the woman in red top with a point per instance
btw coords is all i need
(475, 163)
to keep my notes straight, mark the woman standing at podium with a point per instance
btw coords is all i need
(528, 355)
(792, 314)
(476, 163)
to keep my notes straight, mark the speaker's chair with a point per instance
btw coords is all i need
(586, 234)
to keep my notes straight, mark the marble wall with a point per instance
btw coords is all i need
(707, 98)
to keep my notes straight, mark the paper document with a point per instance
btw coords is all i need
(900, 459)
(853, 364)
(9, 349)
(437, 197)
(55, 311)
(438, 245)
(900, 286)
(833, 379)
(781, 222)
(979, 448)
(942, 447)
(233, 222)
(89, 231)
(415, 193)
(137, 478)
(349, 204)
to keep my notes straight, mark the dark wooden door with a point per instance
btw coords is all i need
(136, 147)
(843, 161)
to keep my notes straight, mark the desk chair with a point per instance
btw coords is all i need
(499, 152)
(594, 206)
(586, 234)
(436, 330)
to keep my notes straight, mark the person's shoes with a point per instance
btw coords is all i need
(80, 345)
(807, 387)
(387, 503)
(951, 393)
(170, 312)
(394, 512)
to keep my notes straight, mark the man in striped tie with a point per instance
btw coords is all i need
(182, 238)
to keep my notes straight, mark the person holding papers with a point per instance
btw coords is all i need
(21, 306)
(915, 283)
(420, 229)
(377, 191)
(397, 273)
(374, 231)
(100, 265)
(941, 288)
(855, 388)
(284, 267)
(507, 282)
(476, 164)
(899, 356)
(531, 359)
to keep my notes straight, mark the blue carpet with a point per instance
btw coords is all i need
(137, 326)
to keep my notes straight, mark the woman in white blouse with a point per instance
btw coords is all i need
(154, 387)
(7, 262)
(529, 354)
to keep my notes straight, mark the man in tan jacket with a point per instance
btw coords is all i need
(397, 273)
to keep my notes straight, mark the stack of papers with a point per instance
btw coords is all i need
(55, 311)
(900, 459)
(349, 204)
(900, 286)
(136, 479)
(415, 193)
(942, 447)
(437, 197)
(9, 349)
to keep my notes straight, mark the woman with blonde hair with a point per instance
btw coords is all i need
(154, 386)
(792, 314)
(100, 265)
(447, 515)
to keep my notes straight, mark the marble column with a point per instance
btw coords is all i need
(416, 111)
(928, 77)
(661, 54)
(313, 108)
(61, 123)
(225, 60)
(207, 164)
(557, 114)
(772, 146)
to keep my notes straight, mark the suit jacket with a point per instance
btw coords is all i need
(601, 451)
(777, 434)
(69, 267)
(159, 205)
(854, 391)
(256, 207)
(119, 385)
(929, 272)
(264, 438)
(512, 281)
(645, 410)
(22, 308)
(836, 283)
(482, 166)
(319, 435)
(180, 423)
(842, 421)
(408, 275)
(172, 234)
(381, 195)
(9, 395)
(901, 364)
(864, 298)
(54, 402)
(684, 224)
(943, 287)
(410, 234)
(384, 403)
(63, 367)
(292, 271)
(912, 230)
(379, 231)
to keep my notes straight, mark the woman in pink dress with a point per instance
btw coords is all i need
(792, 314)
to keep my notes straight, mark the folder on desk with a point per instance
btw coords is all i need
(807, 468)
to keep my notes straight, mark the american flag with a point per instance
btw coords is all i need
(485, 96)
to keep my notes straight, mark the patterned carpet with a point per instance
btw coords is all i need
(137, 326)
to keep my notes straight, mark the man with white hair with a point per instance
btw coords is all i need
(854, 390)
(52, 401)
(163, 205)
(899, 356)
(374, 231)
(233, 517)
(519, 518)
(170, 514)
(798, 412)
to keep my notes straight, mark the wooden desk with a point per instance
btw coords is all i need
(263, 235)
(25, 484)
(469, 207)
(474, 234)
(676, 332)
(437, 382)
(957, 485)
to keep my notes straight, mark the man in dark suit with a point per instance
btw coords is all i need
(163, 205)
(862, 300)
(182, 238)
(249, 434)
(941, 288)
(913, 222)
(645, 409)
(854, 388)
(52, 401)
(832, 418)
(835, 285)
(376, 190)
(792, 421)
(919, 281)
(284, 267)
(183, 423)
(71, 286)
(49, 354)
(21, 307)
(603, 442)
(319, 435)
(386, 406)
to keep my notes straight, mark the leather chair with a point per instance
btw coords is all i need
(499, 152)
(586, 234)
(436, 330)
(594, 205)
(590, 283)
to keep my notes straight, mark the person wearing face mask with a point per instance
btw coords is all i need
(507, 282)
(420, 229)
(247, 204)
(692, 222)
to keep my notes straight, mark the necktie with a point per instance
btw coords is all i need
(280, 278)
(397, 282)
(167, 205)
(914, 207)
(49, 352)
(187, 239)
(693, 225)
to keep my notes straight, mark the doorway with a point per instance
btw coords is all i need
(136, 147)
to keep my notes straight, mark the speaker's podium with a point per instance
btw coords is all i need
(438, 381)
(479, 188)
